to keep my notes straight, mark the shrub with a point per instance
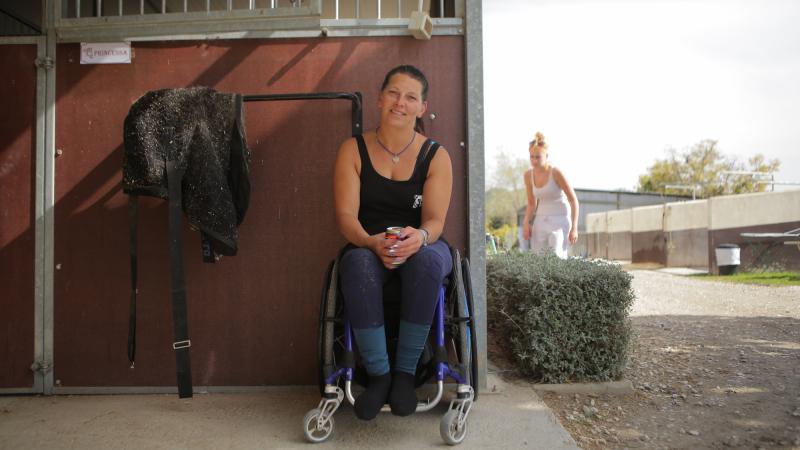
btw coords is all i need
(562, 320)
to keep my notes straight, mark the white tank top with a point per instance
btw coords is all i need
(550, 199)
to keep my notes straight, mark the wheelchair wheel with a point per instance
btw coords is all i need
(449, 428)
(311, 429)
(473, 337)
(465, 319)
(326, 360)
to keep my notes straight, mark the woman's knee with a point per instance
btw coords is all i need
(431, 260)
(358, 263)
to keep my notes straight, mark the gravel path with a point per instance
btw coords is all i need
(664, 294)
(714, 365)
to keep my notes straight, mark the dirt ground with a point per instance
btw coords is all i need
(713, 365)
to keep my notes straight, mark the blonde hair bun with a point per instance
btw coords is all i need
(539, 141)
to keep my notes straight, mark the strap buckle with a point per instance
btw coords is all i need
(181, 344)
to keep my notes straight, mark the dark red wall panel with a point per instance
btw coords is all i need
(17, 214)
(252, 317)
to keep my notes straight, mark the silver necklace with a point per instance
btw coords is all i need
(395, 156)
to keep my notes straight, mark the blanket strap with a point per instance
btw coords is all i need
(179, 310)
(132, 219)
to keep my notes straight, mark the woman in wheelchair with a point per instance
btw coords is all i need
(393, 177)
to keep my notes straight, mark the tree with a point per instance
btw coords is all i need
(504, 197)
(507, 193)
(708, 170)
(500, 208)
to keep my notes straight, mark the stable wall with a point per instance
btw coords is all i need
(648, 243)
(620, 225)
(597, 236)
(686, 228)
(252, 317)
(17, 214)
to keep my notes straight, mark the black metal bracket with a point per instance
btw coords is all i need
(354, 97)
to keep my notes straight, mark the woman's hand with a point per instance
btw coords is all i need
(383, 248)
(394, 252)
(573, 235)
(409, 243)
(526, 231)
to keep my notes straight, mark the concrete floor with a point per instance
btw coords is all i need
(512, 417)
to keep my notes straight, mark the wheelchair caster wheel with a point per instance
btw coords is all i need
(449, 428)
(313, 430)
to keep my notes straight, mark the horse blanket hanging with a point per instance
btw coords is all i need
(186, 146)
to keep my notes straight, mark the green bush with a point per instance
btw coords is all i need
(562, 320)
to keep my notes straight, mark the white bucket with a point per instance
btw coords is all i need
(727, 255)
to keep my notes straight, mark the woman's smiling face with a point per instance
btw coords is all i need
(401, 101)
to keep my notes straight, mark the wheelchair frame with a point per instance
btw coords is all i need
(318, 424)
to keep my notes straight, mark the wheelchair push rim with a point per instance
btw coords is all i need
(326, 309)
(473, 338)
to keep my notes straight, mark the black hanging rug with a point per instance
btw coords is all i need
(186, 146)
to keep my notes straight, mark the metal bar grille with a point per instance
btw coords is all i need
(340, 10)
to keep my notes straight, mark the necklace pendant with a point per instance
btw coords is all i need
(395, 159)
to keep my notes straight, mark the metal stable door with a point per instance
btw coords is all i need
(24, 361)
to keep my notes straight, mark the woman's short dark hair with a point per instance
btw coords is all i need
(416, 74)
(411, 71)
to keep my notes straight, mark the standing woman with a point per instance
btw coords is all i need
(552, 201)
(393, 177)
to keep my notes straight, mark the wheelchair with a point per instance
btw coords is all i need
(450, 351)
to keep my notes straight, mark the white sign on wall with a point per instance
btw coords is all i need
(106, 53)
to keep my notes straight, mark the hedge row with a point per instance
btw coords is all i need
(562, 320)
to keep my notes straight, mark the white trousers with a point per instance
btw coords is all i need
(551, 232)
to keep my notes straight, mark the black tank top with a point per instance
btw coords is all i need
(392, 203)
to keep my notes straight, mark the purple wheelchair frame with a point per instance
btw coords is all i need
(318, 423)
(442, 368)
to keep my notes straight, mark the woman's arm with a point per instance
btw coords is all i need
(436, 201)
(530, 209)
(562, 182)
(346, 197)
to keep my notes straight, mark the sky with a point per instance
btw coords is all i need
(613, 84)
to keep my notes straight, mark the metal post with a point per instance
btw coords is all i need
(47, 184)
(141, 7)
(399, 9)
(99, 8)
(163, 6)
(120, 7)
(230, 5)
(185, 6)
(475, 173)
(358, 9)
(441, 8)
(379, 8)
(78, 9)
(336, 6)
